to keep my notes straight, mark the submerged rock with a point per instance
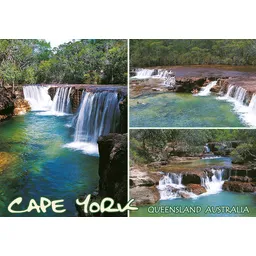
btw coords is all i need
(6, 159)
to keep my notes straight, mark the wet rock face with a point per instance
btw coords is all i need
(113, 168)
(187, 84)
(6, 104)
(112, 172)
(21, 107)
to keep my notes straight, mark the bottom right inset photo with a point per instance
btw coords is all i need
(193, 172)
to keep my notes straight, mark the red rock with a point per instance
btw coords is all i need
(196, 189)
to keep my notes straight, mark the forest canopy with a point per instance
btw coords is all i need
(31, 61)
(149, 53)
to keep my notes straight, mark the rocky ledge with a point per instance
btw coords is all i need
(6, 104)
(143, 186)
(11, 104)
(240, 184)
(112, 173)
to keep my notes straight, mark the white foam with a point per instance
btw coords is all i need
(52, 113)
(205, 91)
(86, 147)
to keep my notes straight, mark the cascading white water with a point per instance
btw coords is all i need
(61, 102)
(98, 115)
(205, 91)
(213, 185)
(38, 97)
(171, 187)
(230, 90)
(163, 74)
(211, 157)
(237, 95)
(143, 73)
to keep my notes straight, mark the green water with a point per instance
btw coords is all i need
(182, 110)
(223, 198)
(40, 166)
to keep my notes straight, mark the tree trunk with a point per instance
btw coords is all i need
(13, 87)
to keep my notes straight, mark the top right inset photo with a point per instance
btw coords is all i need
(193, 83)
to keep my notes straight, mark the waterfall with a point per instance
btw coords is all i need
(237, 96)
(205, 91)
(171, 187)
(144, 73)
(163, 74)
(206, 148)
(97, 115)
(61, 102)
(230, 90)
(214, 184)
(38, 97)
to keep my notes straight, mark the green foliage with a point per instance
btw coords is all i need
(81, 61)
(146, 53)
(148, 145)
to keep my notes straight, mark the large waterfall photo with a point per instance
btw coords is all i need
(193, 173)
(63, 127)
(193, 83)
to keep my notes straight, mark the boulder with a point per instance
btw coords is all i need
(144, 195)
(196, 189)
(21, 107)
(183, 194)
(141, 177)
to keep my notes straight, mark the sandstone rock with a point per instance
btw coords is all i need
(196, 189)
(144, 195)
(183, 194)
(238, 186)
(240, 178)
(141, 177)
(21, 107)
(187, 84)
